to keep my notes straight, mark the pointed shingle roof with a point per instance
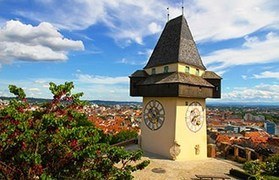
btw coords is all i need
(175, 45)
(210, 75)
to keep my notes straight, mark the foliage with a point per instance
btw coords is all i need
(241, 175)
(272, 117)
(254, 168)
(266, 177)
(123, 136)
(56, 141)
(269, 167)
(272, 165)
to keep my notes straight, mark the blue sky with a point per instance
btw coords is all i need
(98, 44)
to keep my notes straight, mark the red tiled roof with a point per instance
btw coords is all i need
(257, 136)
(223, 138)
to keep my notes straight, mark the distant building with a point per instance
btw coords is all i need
(248, 117)
(239, 129)
(251, 117)
(259, 118)
(232, 128)
(270, 127)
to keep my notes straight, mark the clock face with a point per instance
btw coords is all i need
(194, 116)
(154, 115)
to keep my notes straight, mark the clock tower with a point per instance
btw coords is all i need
(174, 85)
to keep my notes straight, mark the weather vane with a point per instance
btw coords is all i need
(168, 15)
(182, 7)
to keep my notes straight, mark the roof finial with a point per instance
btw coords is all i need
(168, 16)
(182, 7)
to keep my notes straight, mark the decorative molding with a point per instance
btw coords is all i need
(197, 149)
(175, 150)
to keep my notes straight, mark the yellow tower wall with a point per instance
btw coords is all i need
(161, 140)
(175, 67)
(192, 145)
(160, 69)
(181, 68)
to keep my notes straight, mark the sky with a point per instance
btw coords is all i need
(97, 44)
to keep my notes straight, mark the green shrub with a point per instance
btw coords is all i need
(253, 167)
(123, 136)
(272, 165)
(56, 141)
(241, 174)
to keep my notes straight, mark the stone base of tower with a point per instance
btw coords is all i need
(174, 140)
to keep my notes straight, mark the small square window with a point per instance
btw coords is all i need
(166, 69)
(197, 72)
(187, 69)
(153, 71)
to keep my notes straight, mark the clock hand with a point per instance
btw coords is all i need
(194, 118)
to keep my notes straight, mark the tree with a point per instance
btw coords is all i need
(272, 165)
(56, 140)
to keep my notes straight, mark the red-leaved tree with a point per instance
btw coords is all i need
(56, 140)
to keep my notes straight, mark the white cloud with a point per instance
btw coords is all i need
(245, 77)
(132, 20)
(34, 89)
(253, 51)
(125, 61)
(128, 20)
(220, 20)
(95, 79)
(267, 74)
(130, 62)
(44, 42)
(154, 28)
(146, 52)
(40, 81)
(94, 87)
(258, 93)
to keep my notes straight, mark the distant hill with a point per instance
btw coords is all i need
(32, 100)
(99, 102)
(209, 104)
(242, 104)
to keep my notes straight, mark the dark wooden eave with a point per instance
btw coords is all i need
(176, 77)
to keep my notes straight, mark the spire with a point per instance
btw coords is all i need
(175, 45)
(182, 7)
